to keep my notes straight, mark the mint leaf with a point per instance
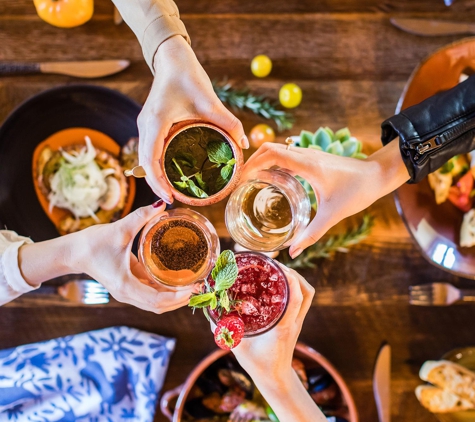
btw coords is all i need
(214, 302)
(181, 185)
(231, 162)
(200, 181)
(203, 300)
(185, 159)
(195, 190)
(226, 172)
(226, 257)
(224, 300)
(226, 277)
(206, 314)
(219, 152)
(178, 167)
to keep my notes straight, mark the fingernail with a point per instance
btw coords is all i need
(294, 254)
(245, 142)
(157, 204)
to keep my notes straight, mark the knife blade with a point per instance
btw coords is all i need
(432, 28)
(382, 383)
(85, 69)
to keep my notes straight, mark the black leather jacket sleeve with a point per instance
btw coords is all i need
(432, 132)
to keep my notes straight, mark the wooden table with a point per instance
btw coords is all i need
(352, 65)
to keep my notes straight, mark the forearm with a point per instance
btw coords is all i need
(289, 399)
(43, 261)
(153, 22)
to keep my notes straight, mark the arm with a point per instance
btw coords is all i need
(104, 253)
(181, 89)
(267, 358)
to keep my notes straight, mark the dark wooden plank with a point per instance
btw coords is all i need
(104, 7)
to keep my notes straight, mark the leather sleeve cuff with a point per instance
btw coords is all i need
(432, 132)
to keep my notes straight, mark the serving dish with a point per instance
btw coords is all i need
(73, 106)
(303, 352)
(434, 228)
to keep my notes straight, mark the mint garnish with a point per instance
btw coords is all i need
(224, 274)
(219, 152)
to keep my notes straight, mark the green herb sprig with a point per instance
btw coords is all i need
(224, 274)
(327, 248)
(243, 99)
(220, 154)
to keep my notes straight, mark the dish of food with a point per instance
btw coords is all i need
(451, 392)
(219, 388)
(434, 216)
(78, 178)
(61, 118)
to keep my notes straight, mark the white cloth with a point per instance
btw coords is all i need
(12, 283)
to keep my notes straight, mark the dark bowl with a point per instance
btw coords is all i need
(436, 228)
(35, 120)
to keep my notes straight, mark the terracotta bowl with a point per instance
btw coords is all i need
(223, 193)
(436, 228)
(302, 351)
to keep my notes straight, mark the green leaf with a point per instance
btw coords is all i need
(226, 277)
(343, 134)
(195, 190)
(185, 159)
(231, 162)
(206, 314)
(360, 156)
(181, 185)
(317, 147)
(360, 146)
(322, 139)
(201, 183)
(335, 148)
(224, 300)
(350, 147)
(219, 152)
(305, 138)
(202, 300)
(214, 302)
(226, 172)
(226, 257)
(329, 131)
(447, 167)
(178, 167)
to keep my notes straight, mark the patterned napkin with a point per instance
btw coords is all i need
(112, 375)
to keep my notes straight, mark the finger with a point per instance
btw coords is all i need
(133, 222)
(308, 293)
(295, 295)
(152, 136)
(226, 120)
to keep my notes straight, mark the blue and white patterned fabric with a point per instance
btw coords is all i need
(112, 375)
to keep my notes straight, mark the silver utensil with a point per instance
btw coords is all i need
(439, 294)
(382, 383)
(89, 292)
(432, 28)
(85, 69)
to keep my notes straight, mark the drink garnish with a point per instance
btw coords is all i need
(229, 332)
(224, 274)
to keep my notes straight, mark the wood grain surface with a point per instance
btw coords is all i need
(352, 66)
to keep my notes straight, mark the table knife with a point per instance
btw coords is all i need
(86, 69)
(433, 28)
(382, 383)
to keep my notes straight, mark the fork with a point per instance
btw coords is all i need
(439, 294)
(89, 292)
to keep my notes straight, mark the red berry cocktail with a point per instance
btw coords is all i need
(259, 295)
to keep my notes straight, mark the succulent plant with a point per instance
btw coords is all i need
(324, 139)
(339, 143)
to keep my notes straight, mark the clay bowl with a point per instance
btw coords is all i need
(303, 352)
(223, 193)
(434, 228)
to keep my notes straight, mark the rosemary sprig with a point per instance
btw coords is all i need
(327, 248)
(243, 99)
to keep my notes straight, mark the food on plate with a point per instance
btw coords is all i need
(224, 392)
(454, 182)
(452, 389)
(439, 400)
(80, 184)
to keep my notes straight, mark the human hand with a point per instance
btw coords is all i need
(181, 90)
(104, 253)
(343, 186)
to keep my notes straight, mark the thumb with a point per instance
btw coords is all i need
(312, 234)
(226, 120)
(137, 219)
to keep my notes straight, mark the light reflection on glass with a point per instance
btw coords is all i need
(439, 253)
(449, 258)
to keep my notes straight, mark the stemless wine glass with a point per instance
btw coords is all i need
(267, 212)
(178, 248)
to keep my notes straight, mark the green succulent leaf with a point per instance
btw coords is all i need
(195, 190)
(350, 147)
(202, 300)
(201, 183)
(329, 131)
(317, 147)
(219, 152)
(343, 134)
(306, 138)
(360, 156)
(335, 148)
(322, 139)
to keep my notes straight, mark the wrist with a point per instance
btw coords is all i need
(169, 49)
